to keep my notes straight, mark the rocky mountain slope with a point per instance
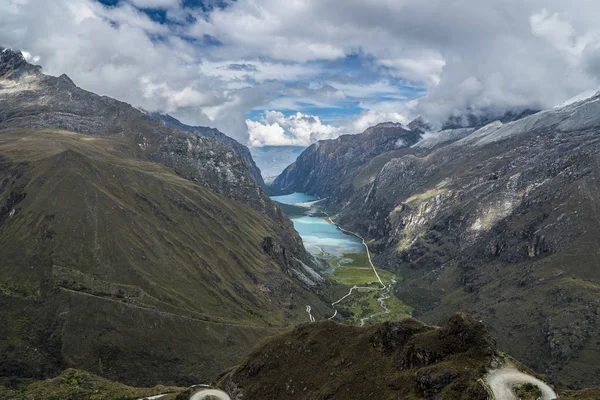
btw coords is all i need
(502, 223)
(30, 99)
(320, 167)
(212, 133)
(129, 249)
(114, 264)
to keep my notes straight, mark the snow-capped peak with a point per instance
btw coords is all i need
(588, 94)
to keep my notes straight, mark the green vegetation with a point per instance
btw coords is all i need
(528, 391)
(355, 269)
(127, 270)
(77, 385)
(363, 307)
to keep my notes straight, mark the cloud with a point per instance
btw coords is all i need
(477, 54)
(298, 129)
(165, 4)
(377, 112)
(370, 60)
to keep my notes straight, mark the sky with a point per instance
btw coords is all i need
(273, 72)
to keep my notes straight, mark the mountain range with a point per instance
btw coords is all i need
(126, 245)
(136, 250)
(499, 221)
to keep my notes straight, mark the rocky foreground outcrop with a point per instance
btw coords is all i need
(407, 360)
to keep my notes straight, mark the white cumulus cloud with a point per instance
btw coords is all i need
(275, 129)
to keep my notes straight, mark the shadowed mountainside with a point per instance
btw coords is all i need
(129, 249)
(320, 167)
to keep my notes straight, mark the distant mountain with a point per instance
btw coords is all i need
(212, 133)
(484, 117)
(320, 168)
(272, 160)
(131, 250)
(500, 222)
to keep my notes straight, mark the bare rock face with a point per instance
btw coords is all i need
(461, 334)
(203, 131)
(13, 63)
(391, 337)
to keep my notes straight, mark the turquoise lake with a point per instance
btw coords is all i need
(318, 234)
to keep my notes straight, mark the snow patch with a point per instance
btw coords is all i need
(579, 98)
(433, 139)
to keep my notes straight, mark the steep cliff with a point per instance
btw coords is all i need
(206, 132)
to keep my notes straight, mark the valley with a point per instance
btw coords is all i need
(142, 257)
(368, 295)
(473, 221)
(129, 250)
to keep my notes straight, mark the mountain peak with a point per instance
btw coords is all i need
(65, 78)
(419, 124)
(12, 61)
(585, 96)
(388, 124)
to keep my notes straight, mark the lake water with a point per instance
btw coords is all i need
(318, 234)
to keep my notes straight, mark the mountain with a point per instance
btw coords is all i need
(501, 224)
(132, 250)
(272, 160)
(320, 167)
(206, 132)
(33, 100)
(481, 118)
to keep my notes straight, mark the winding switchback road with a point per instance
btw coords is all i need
(219, 394)
(366, 247)
(384, 289)
(502, 382)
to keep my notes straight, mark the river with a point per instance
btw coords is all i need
(318, 234)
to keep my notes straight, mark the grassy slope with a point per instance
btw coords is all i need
(77, 385)
(125, 265)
